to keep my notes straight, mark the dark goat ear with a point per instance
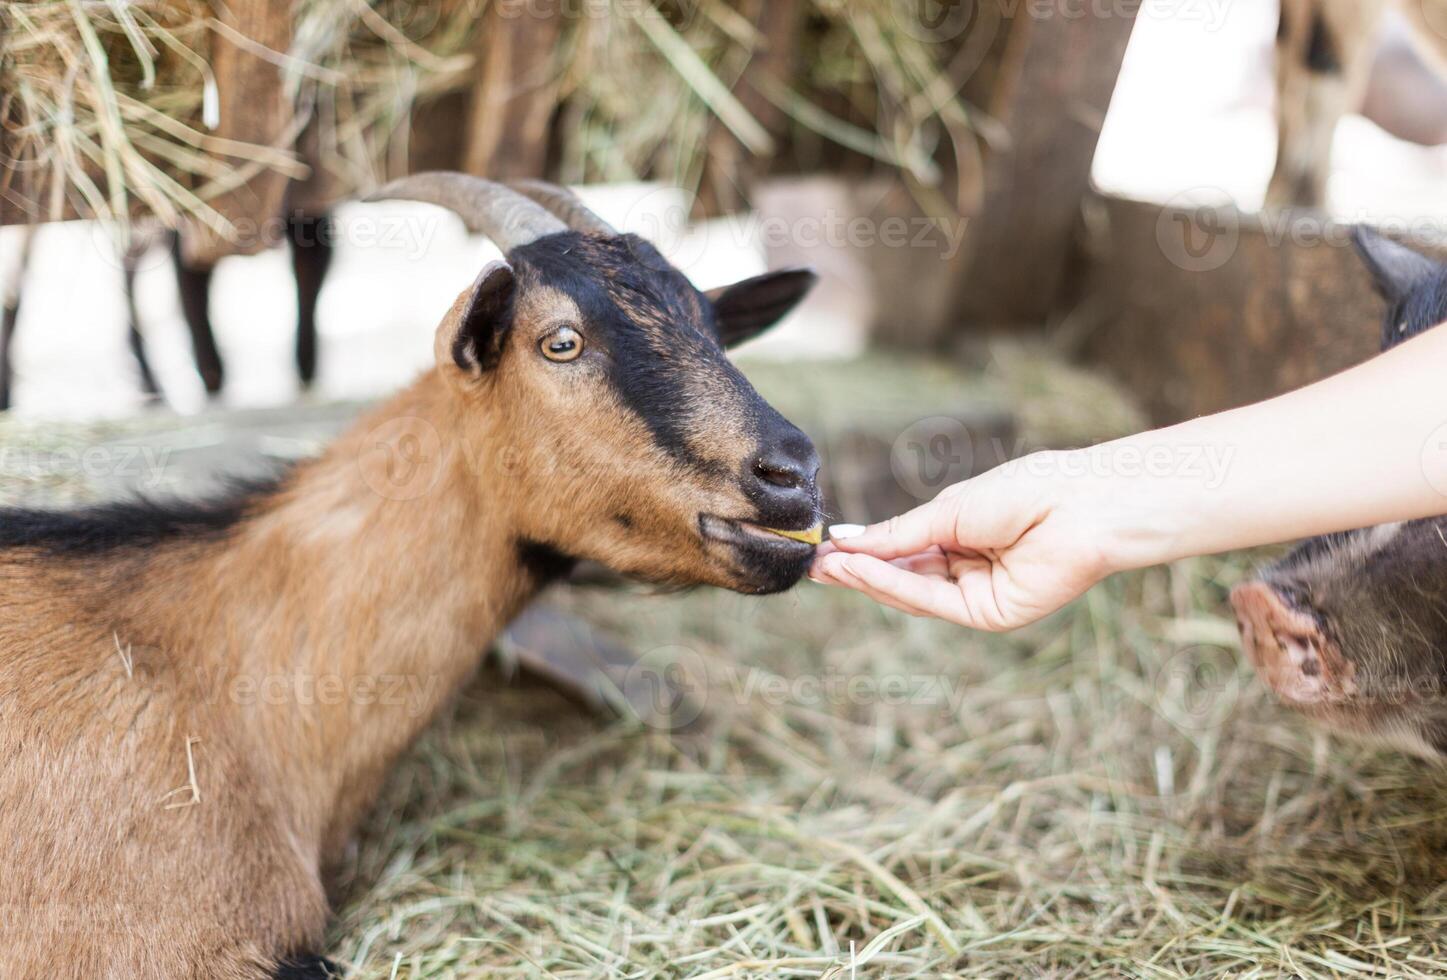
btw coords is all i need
(748, 308)
(1396, 269)
(471, 338)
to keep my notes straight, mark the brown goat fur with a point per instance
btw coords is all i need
(194, 722)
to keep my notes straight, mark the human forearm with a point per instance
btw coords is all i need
(1366, 446)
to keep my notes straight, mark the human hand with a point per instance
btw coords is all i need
(992, 553)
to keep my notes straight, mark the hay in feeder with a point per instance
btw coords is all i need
(111, 106)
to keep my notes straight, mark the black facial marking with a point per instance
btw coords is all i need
(623, 521)
(1321, 54)
(543, 562)
(104, 528)
(657, 330)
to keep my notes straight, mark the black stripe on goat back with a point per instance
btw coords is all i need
(309, 967)
(141, 522)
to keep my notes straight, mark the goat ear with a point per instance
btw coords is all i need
(748, 308)
(1396, 269)
(470, 338)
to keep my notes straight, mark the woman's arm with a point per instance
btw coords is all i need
(1367, 446)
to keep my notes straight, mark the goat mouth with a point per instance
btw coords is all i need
(757, 537)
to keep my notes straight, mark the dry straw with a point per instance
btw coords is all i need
(112, 102)
(1108, 794)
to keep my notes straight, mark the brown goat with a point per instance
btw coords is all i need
(197, 703)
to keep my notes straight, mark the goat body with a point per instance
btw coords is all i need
(197, 704)
(195, 722)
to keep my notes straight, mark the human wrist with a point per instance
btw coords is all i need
(1134, 514)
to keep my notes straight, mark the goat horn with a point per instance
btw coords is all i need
(563, 203)
(487, 208)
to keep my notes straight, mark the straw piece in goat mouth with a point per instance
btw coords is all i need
(813, 535)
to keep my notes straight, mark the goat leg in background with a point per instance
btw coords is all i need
(311, 254)
(129, 263)
(1324, 51)
(194, 282)
(10, 293)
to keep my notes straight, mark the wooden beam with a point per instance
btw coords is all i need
(1054, 82)
(1203, 310)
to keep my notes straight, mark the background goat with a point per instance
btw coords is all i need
(1324, 66)
(309, 238)
(163, 812)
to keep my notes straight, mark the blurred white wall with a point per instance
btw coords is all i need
(1193, 116)
(396, 270)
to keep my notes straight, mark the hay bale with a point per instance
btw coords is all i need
(163, 109)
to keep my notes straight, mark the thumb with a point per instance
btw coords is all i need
(908, 534)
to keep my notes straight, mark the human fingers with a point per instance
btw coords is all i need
(909, 533)
(921, 594)
(838, 574)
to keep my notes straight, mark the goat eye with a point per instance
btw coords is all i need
(563, 344)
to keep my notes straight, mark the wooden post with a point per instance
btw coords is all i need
(253, 109)
(1202, 310)
(515, 92)
(1054, 82)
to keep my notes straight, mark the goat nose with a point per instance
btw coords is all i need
(788, 465)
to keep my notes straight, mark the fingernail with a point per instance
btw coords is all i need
(840, 531)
